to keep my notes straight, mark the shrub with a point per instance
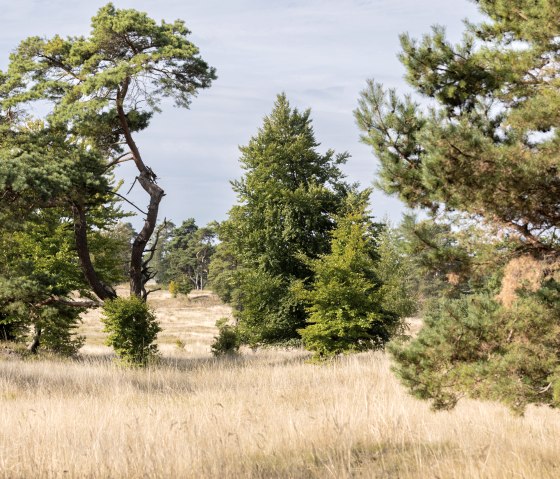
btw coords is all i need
(228, 341)
(132, 329)
(183, 286)
(58, 327)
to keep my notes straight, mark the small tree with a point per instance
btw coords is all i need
(345, 303)
(40, 278)
(228, 341)
(132, 329)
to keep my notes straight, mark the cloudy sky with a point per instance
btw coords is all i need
(319, 52)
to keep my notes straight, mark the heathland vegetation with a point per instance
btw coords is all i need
(303, 277)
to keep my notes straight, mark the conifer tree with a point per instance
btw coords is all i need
(345, 301)
(103, 88)
(187, 255)
(487, 148)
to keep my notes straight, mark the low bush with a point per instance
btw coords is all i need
(228, 341)
(132, 328)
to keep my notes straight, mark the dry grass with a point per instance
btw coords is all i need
(264, 415)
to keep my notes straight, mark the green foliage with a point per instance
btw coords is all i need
(473, 346)
(223, 271)
(114, 249)
(485, 148)
(488, 146)
(132, 329)
(450, 255)
(39, 279)
(268, 311)
(124, 47)
(286, 202)
(58, 329)
(397, 274)
(180, 287)
(345, 302)
(158, 264)
(100, 89)
(228, 341)
(186, 255)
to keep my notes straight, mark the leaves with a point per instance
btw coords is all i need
(286, 205)
(344, 300)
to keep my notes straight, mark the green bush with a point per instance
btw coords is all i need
(473, 346)
(132, 329)
(346, 312)
(228, 341)
(58, 325)
(183, 286)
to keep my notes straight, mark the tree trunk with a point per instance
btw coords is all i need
(137, 267)
(34, 346)
(147, 179)
(102, 290)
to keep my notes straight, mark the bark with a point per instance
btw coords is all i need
(34, 346)
(102, 290)
(139, 274)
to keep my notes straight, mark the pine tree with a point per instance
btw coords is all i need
(103, 89)
(188, 254)
(487, 148)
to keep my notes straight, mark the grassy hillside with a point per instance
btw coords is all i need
(266, 414)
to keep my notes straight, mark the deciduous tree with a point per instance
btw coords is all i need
(287, 199)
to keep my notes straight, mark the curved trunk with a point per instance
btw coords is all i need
(139, 274)
(102, 290)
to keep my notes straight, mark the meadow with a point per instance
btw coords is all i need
(264, 414)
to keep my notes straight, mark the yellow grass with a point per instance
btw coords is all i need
(268, 414)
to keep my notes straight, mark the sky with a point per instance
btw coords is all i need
(319, 52)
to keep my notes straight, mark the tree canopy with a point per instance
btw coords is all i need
(483, 139)
(287, 199)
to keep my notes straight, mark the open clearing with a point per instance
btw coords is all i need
(263, 415)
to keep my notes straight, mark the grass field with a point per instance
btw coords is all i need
(264, 415)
